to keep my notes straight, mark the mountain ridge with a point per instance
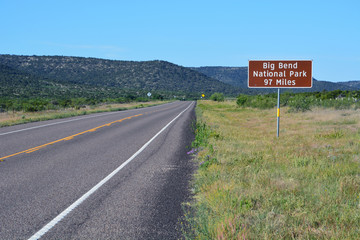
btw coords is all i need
(47, 76)
(237, 76)
(153, 75)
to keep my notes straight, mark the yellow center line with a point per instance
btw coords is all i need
(68, 138)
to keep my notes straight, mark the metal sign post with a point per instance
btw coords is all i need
(278, 114)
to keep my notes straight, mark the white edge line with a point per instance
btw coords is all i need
(58, 218)
(71, 120)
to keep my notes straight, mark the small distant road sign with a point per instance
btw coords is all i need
(280, 74)
(149, 94)
(202, 95)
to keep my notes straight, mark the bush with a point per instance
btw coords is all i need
(241, 100)
(258, 101)
(219, 97)
(300, 103)
(263, 102)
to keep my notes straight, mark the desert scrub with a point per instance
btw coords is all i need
(304, 185)
(302, 102)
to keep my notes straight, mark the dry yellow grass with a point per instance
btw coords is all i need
(11, 118)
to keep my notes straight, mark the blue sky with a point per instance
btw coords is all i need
(189, 33)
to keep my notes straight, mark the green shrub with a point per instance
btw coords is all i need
(258, 101)
(241, 100)
(300, 103)
(264, 102)
(219, 97)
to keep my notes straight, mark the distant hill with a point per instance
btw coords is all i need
(352, 84)
(319, 86)
(237, 76)
(59, 76)
(88, 73)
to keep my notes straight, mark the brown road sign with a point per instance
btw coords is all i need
(280, 74)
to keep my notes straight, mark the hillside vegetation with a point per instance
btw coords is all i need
(235, 76)
(251, 185)
(77, 75)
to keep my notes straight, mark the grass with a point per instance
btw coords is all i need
(251, 185)
(14, 118)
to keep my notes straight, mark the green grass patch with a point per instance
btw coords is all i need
(251, 185)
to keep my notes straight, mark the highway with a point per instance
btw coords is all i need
(115, 175)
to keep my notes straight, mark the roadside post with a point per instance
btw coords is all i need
(280, 74)
(278, 114)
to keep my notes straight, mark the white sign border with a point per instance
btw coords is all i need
(312, 78)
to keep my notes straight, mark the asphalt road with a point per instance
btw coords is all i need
(48, 169)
